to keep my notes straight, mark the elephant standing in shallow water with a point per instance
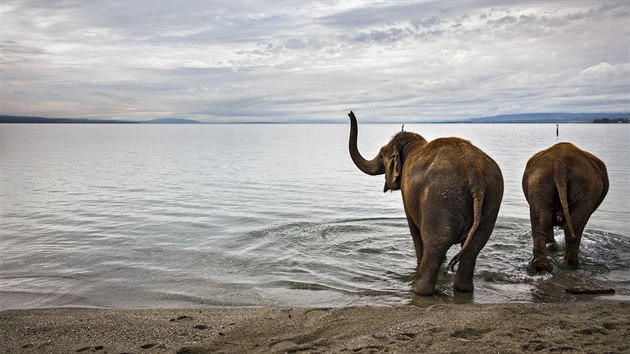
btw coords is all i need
(451, 193)
(563, 185)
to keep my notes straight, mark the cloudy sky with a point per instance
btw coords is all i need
(268, 60)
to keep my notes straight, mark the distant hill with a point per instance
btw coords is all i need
(507, 118)
(21, 119)
(44, 120)
(170, 121)
(548, 118)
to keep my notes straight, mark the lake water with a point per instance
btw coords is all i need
(134, 216)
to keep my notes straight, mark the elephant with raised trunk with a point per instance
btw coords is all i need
(563, 185)
(451, 192)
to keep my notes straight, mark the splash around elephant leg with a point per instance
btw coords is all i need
(552, 247)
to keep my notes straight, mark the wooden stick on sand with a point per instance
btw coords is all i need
(591, 290)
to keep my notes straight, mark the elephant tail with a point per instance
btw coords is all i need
(560, 179)
(478, 194)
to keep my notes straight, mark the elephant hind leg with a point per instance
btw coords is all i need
(417, 240)
(466, 268)
(432, 259)
(580, 214)
(540, 261)
(542, 232)
(572, 252)
(427, 275)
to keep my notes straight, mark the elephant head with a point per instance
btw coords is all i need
(388, 161)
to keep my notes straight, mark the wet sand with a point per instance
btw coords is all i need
(589, 327)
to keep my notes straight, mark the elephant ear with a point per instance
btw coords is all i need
(392, 172)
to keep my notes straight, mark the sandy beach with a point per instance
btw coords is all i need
(589, 327)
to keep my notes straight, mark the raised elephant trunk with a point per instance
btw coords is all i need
(371, 167)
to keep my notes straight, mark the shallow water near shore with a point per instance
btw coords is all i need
(139, 216)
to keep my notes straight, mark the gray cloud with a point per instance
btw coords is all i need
(243, 61)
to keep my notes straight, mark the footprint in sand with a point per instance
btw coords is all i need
(92, 349)
(153, 345)
(181, 318)
(470, 333)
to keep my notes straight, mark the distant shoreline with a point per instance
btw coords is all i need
(533, 118)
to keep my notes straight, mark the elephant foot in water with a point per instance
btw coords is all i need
(422, 288)
(572, 254)
(540, 264)
(464, 287)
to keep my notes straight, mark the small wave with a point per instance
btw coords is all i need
(370, 251)
(305, 286)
